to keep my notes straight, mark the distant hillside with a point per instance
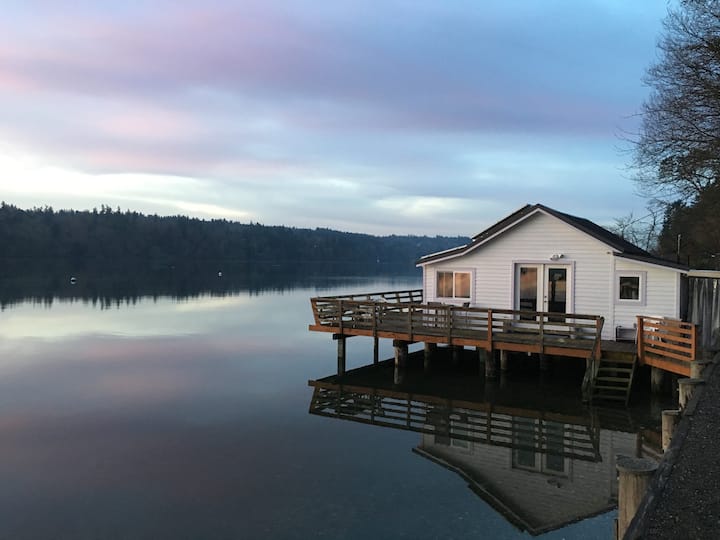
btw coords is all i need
(108, 234)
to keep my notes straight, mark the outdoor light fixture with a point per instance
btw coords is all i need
(556, 256)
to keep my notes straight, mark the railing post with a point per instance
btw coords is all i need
(640, 339)
(448, 320)
(490, 330)
(693, 345)
(410, 321)
(375, 320)
(340, 314)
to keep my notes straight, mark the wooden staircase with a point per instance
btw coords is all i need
(613, 377)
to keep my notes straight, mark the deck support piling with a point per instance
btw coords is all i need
(456, 354)
(670, 419)
(398, 375)
(376, 350)
(634, 475)
(490, 368)
(341, 353)
(401, 353)
(686, 387)
(430, 349)
(697, 367)
(503, 360)
(544, 362)
(656, 379)
(482, 356)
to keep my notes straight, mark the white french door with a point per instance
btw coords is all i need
(543, 287)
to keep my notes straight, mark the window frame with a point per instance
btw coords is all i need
(471, 276)
(642, 287)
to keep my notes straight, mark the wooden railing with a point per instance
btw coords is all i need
(370, 314)
(666, 343)
(326, 308)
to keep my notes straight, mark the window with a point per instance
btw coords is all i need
(630, 287)
(453, 284)
(540, 446)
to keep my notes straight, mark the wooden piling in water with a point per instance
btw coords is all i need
(490, 368)
(697, 367)
(656, 379)
(430, 349)
(503, 360)
(634, 475)
(341, 354)
(686, 387)
(401, 353)
(544, 362)
(670, 419)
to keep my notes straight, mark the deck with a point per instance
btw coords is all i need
(409, 320)
(404, 317)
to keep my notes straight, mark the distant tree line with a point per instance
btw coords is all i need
(113, 234)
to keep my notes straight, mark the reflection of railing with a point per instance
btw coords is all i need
(447, 419)
(381, 315)
(667, 343)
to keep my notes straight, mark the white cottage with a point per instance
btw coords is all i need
(543, 260)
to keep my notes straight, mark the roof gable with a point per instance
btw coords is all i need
(619, 245)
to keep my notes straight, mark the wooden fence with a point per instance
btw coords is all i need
(668, 344)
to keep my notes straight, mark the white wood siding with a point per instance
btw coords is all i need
(535, 240)
(661, 293)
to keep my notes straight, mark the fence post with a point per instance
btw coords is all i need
(640, 339)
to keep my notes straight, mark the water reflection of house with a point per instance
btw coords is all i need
(540, 468)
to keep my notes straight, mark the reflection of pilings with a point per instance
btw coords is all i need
(376, 350)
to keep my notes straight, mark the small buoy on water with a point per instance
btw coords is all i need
(73, 280)
(219, 274)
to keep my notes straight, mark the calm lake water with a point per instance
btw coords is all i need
(171, 407)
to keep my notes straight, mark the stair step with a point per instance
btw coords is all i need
(618, 370)
(625, 373)
(613, 363)
(614, 379)
(602, 396)
(618, 360)
(614, 388)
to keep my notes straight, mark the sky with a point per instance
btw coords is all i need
(383, 117)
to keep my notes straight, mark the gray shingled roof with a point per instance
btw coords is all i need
(625, 248)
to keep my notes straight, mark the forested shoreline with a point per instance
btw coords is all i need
(108, 234)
